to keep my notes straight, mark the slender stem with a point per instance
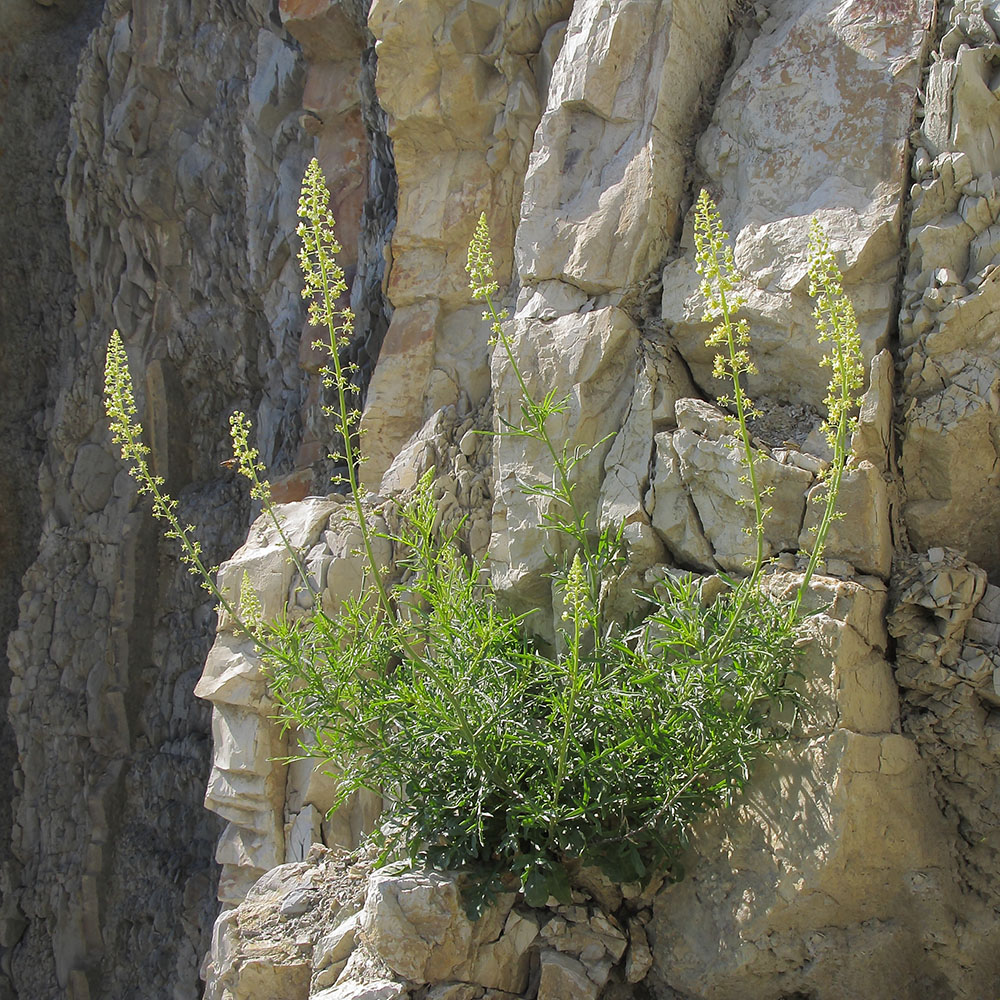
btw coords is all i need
(349, 452)
(264, 492)
(745, 437)
(566, 487)
(574, 668)
(833, 486)
(350, 458)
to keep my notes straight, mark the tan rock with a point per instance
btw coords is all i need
(232, 673)
(626, 85)
(379, 989)
(862, 536)
(870, 441)
(264, 557)
(672, 511)
(699, 497)
(589, 359)
(457, 83)
(639, 959)
(948, 463)
(564, 978)
(394, 409)
(416, 924)
(808, 853)
(801, 86)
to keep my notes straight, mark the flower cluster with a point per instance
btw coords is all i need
(481, 275)
(836, 325)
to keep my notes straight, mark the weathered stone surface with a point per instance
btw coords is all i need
(944, 620)
(565, 978)
(624, 94)
(589, 359)
(839, 867)
(700, 504)
(275, 813)
(172, 171)
(293, 924)
(417, 925)
(384, 989)
(39, 54)
(789, 892)
(840, 830)
(639, 959)
(811, 123)
(949, 345)
(463, 103)
(862, 537)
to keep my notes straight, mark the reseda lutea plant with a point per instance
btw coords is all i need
(496, 754)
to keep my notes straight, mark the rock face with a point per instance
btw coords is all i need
(947, 343)
(36, 304)
(333, 929)
(155, 166)
(163, 204)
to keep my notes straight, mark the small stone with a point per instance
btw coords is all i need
(564, 978)
(380, 989)
(469, 443)
(639, 959)
(840, 568)
(454, 991)
(575, 914)
(296, 902)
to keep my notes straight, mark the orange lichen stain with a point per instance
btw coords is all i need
(302, 8)
(293, 487)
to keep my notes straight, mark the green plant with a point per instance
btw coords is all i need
(496, 753)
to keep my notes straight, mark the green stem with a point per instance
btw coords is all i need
(743, 593)
(574, 669)
(265, 493)
(833, 486)
(566, 487)
(349, 452)
(350, 457)
(745, 437)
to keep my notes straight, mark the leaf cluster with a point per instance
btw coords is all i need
(502, 757)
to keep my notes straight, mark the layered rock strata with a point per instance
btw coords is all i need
(867, 852)
(36, 303)
(183, 123)
(836, 866)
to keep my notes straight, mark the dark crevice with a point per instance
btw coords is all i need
(368, 301)
(900, 541)
(378, 222)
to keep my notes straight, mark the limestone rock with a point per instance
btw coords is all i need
(862, 536)
(462, 99)
(801, 85)
(166, 139)
(294, 923)
(378, 990)
(564, 978)
(950, 349)
(416, 924)
(276, 814)
(870, 441)
(639, 959)
(787, 888)
(588, 359)
(699, 501)
(163, 204)
(943, 623)
(626, 85)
